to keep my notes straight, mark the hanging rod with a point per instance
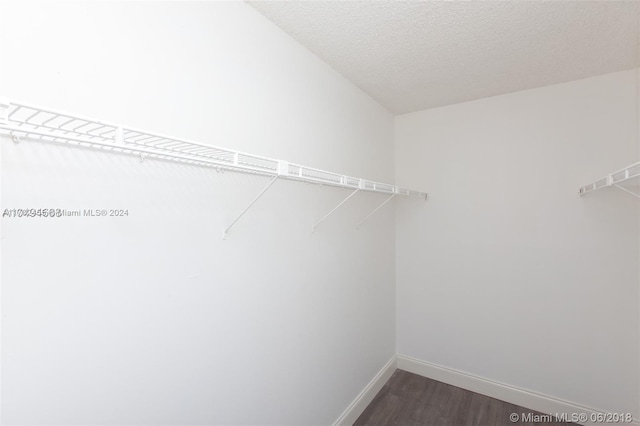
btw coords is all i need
(615, 179)
(29, 122)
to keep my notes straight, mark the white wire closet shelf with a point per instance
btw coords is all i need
(623, 179)
(24, 121)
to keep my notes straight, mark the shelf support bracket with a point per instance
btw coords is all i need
(627, 190)
(118, 136)
(335, 208)
(224, 234)
(375, 210)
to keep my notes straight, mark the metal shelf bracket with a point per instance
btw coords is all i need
(273, 180)
(334, 209)
(627, 190)
(118, 136)
(375, 210)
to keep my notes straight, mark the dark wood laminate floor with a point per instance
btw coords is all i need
(411, 400)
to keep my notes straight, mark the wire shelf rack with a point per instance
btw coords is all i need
(24, 121)
(626, 176)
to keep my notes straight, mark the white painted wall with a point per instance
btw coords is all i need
(506, 273)
(152, 318)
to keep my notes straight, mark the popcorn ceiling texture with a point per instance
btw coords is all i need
(416, 55)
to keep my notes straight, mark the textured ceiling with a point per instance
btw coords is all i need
(415, 55)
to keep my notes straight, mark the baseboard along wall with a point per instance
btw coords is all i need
(535, 401)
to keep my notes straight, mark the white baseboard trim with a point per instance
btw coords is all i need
(353, 411)
(512, 394)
